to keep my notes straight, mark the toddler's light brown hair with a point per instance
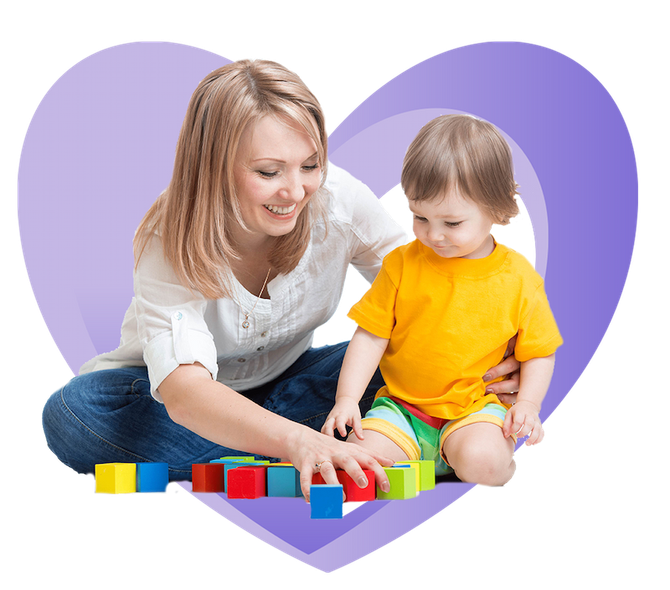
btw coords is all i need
(465, 154)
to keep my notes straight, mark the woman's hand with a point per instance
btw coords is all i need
(308, 448)
(507, 389)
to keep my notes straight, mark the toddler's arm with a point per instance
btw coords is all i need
(359, 365)
(523, 417)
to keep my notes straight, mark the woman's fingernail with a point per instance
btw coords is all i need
(386, 487)
(489, 390)
(362, 481)
(487, 377)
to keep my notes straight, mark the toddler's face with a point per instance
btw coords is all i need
(453, 227)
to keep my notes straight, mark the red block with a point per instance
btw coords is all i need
(352, 492)
(246, 483)
(207, 477)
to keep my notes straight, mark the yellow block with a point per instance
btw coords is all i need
(115, 478)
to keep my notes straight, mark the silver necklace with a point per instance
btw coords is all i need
(245, 323)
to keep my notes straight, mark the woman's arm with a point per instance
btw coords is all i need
(216, 412)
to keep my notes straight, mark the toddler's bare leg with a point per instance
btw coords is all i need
(479, 453)
(375, 441)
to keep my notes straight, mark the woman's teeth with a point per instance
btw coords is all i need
(280, 210)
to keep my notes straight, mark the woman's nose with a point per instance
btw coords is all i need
(293, 189)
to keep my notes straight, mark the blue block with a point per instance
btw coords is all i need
(326, 501)
(152, 477)
(283, 482)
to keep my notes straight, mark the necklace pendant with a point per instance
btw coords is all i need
(245, 324)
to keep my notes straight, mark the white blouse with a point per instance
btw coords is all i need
(167, 325)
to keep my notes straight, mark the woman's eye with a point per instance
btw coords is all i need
(311, 167)
(267, 174)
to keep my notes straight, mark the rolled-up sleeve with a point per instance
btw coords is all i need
(170, 320)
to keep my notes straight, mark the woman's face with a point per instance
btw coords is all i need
(276, 172)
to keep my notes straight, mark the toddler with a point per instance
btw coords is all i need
(441, 312)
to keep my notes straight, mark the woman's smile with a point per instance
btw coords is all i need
(281, 211)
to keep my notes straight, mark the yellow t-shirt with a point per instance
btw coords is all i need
(448, 320)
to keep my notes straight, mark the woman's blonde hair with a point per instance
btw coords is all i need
(196, 212)
(460, 152)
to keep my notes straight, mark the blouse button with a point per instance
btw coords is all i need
(241, 360)
(177, 315)
(260, 348)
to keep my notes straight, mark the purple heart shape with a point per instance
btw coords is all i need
(100, 147)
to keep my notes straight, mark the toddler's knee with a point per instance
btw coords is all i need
(482, 465)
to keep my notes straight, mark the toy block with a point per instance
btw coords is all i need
(326, 501)
(415, 470)
(403, 484)
(207, 477)
(237, 458)
(426, 474)
(152, 477)
(351, 491)
(247, 482)
(228, 466)
(283, 481)
(115, 478)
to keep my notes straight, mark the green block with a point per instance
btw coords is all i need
(403, 484)
(414, 468)
(239, 458)
(426, 474)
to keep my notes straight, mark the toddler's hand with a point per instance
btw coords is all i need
(523, 419)
(345, 413)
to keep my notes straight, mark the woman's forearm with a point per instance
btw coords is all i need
(216, 412)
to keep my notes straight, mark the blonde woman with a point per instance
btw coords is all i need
(237, 263)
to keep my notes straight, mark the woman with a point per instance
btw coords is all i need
(237, 263)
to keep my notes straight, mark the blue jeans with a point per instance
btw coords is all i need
(110, 416)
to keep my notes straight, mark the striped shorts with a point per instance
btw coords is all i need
(421, 436)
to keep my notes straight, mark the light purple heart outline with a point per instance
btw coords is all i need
(100, 147)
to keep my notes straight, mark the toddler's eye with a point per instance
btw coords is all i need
(452, 223)
(419, 219)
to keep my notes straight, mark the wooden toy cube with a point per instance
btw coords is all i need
(246, 482)
(403, 484)
(426, 474)
(326, 501)
(207, 477)
(152, 477)
(226, 462)
(283, 481)
(352, 492)
(235, 464)
(115, 478)
(415, 469)
(238, 458)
